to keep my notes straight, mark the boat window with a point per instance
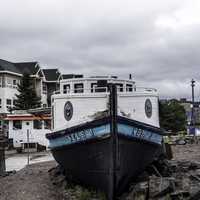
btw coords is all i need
(37, 124)
(119, 87)
(93, 87)
(97, 88)
(17, 124)
(78, 88)
(129, 87)
(66, 88)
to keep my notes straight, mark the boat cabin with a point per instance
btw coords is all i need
(81, 99)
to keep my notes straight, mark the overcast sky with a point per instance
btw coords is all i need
(158, 41)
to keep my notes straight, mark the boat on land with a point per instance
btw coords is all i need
(105, 131)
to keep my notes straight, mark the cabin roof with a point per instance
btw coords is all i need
(70, 76)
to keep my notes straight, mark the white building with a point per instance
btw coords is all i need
(45, 82)
(27, 128)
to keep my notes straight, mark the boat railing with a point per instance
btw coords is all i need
(96, 89)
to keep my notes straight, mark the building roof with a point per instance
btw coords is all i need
(8, 66)
(28, 67)
(51, 74)
(20, 68)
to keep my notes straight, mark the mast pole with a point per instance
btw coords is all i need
(114, 138)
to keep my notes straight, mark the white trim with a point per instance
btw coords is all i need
(59, 77)
(9, 72)
(40, 69)
(51, 81)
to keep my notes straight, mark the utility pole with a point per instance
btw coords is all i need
(28, 142)
(192, 114)
(2, 146)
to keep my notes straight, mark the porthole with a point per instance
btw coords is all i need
(68, 110)
(148, 108)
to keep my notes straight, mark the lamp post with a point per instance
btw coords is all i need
(192, 114)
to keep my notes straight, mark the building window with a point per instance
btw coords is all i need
(78, 88)
(0, 81)
(0, 103)
(44, 88)
(14, 102)
(66, 88)
(17, 124)
(9, 82)
(8, 104)
(44, 105)
(15, 83)
(129, 87)
(37, 124)
(47, 124)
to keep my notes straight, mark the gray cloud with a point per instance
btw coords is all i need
(158, 42)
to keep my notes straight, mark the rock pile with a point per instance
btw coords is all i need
(167, 180)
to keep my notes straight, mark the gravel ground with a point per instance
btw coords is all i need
(30, 183)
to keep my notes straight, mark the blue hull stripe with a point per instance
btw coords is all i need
(139, 133)
(103, 130)
(80, 136)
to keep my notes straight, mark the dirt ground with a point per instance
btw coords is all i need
(31, 183)
(189, 152)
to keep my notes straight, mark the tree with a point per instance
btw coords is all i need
(27, 97)
(172, 116)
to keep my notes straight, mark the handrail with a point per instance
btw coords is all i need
(96, 89)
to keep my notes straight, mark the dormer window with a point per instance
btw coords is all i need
(78, 88)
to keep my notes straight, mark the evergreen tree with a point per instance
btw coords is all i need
(27, 97)
(172, 116)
